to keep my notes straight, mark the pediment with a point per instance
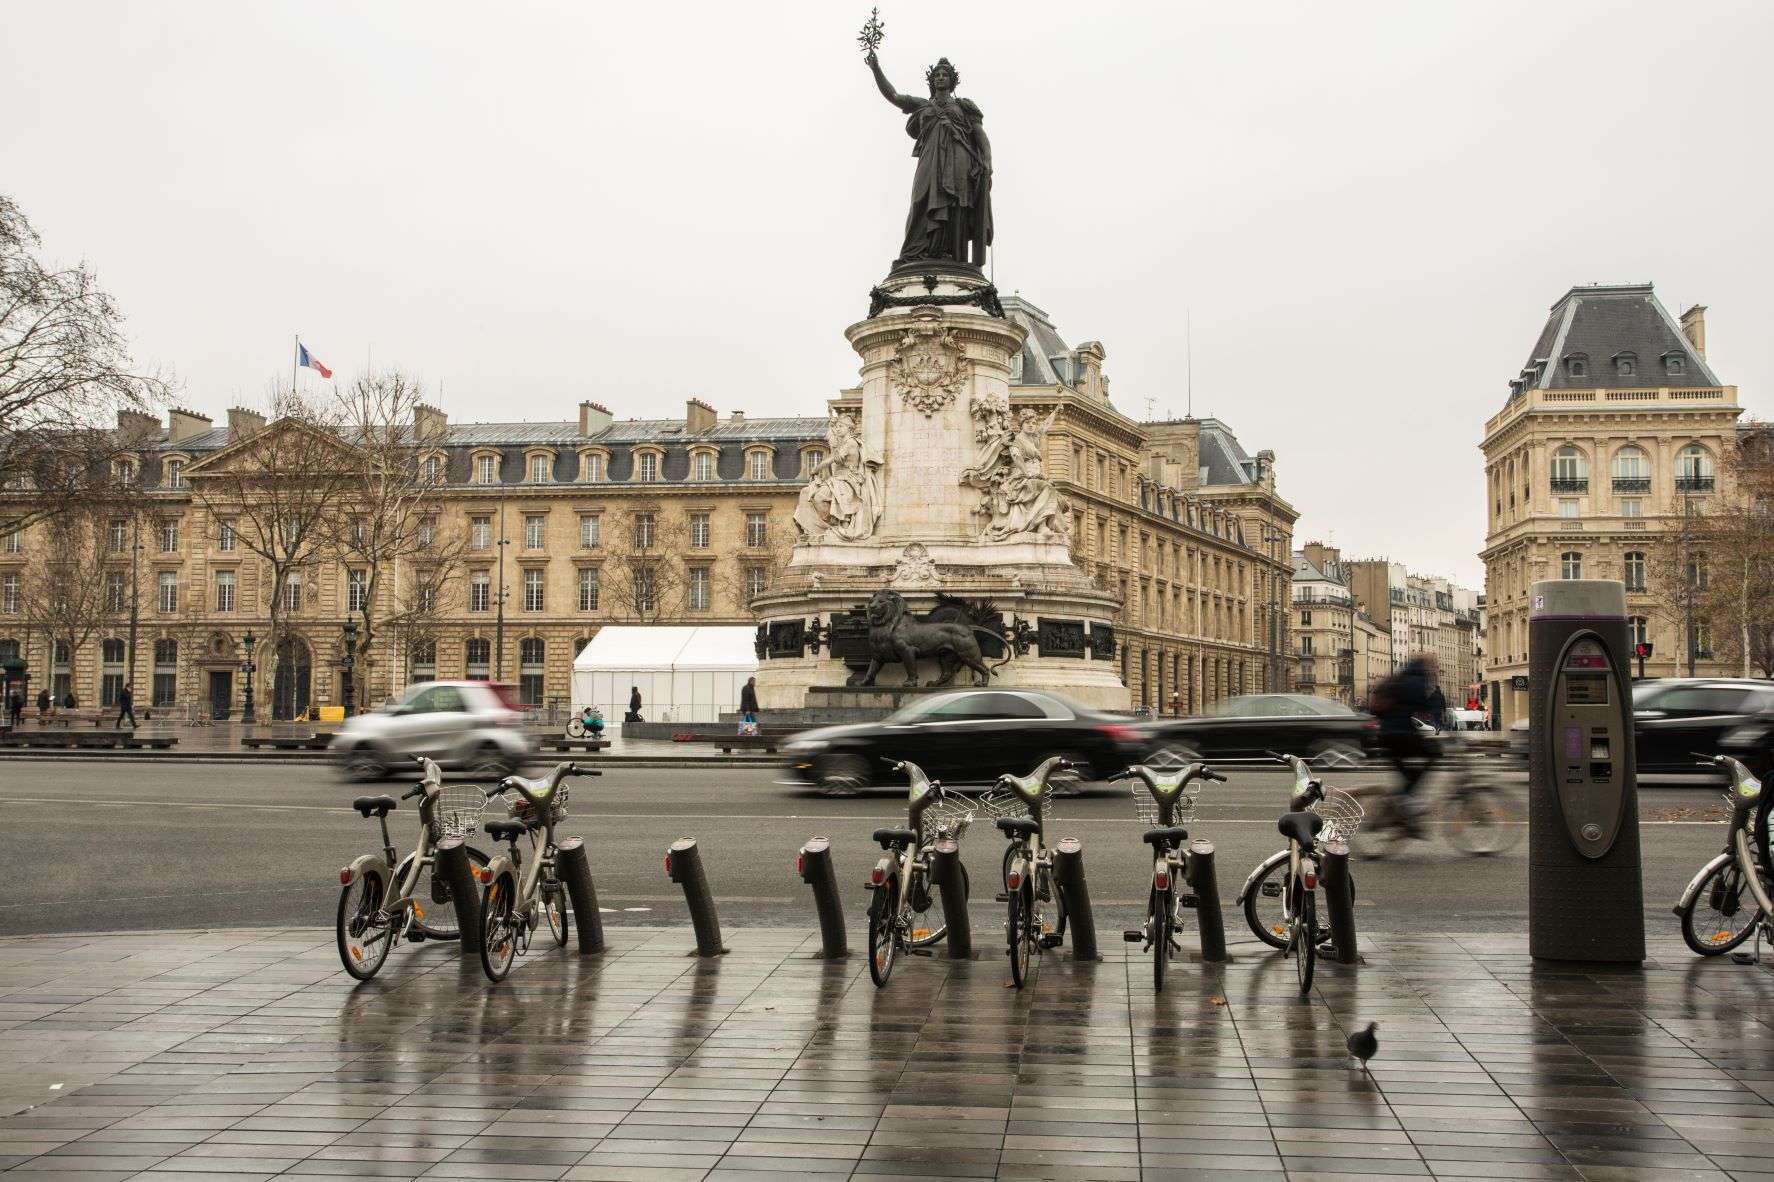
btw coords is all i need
(288, 444)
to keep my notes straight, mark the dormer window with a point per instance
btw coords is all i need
(1576, 365)
(541, 468)
(1625, 365)
(431, 470)
(591, 465)
(1675, 365)
(486, 468)
(174, 472)
(757, 465)
(702, 466)
(646, 465)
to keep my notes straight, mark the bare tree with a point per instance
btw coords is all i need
(65, 370)
(66, 596)
(754, 571)
(391, 525)
(279, 491)
(645, 577)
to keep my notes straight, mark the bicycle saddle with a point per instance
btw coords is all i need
(1166, 835)
(1300, 827)
(374, 806)
(506, 830)
(1017, 827)
(888, 838)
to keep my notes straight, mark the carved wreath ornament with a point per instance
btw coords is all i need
(929, 367)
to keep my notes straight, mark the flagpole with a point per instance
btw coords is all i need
(295, 359)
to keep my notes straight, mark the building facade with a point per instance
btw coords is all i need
(1324, 623)
(1421, 615)
(1611, 437)
(1183, 524)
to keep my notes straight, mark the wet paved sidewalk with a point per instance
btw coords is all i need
(249, 1054)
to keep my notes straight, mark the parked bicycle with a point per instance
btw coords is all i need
(519, 898)
(1727, 900)
(1281, 896)
(1164, 798)
(1464, 793)
(1020, 804)
(901, 880)
(588, 723)
(381, 902)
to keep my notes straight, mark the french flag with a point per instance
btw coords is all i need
(306, 359)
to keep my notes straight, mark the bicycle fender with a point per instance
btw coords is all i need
(1250, 884)
(1692, 890)
(500, 865)
(362, 865)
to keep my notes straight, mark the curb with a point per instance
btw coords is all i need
(51, 755)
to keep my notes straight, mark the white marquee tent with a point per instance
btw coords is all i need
(684, 674)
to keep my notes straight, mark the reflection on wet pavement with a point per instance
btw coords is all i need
(249, 1054)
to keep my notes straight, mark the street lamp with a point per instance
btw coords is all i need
(1270, 537)
(247, 669)
(346, 662)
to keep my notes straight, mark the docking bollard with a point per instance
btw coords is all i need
(573, 868)
(454, 871)
(814, 864)
(951, 880)
(1339, 898)
(683, 861)
(1068, 875)
(1207, 901)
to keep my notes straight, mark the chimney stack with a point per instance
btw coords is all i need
(699, 416)
(737, 416)
(243, 422)
(184, 424)
(594, 418)
(429, 424)
(1694, 328)
(134, 427)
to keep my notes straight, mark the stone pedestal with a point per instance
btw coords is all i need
(935, 388)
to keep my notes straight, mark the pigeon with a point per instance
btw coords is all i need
(1363, 1044)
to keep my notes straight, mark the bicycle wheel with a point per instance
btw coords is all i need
(1018, 930)
(1265, 908)
(1722, 915)
(1306, 939)
(934, 933)
(1163, 909)
(434, 911)
(575, 729)
(364, 933)
(554, 909)
(1484, 820)
(498, 928)
(883, 911)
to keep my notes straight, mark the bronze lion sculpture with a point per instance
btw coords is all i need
(896, 634)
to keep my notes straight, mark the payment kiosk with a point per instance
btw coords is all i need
(1585, 889)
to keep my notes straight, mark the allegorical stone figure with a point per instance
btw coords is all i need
(951, 212)
(842, 501)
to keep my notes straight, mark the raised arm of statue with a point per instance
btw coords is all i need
(905, 102)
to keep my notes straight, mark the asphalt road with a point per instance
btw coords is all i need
(105, 846)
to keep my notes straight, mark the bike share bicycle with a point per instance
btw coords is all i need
(1477, 813)
(901, 880)
(1166, 805)
(1281, 896)
(380, 902)
(1020, 804)
(519, 897)
(1727, 900)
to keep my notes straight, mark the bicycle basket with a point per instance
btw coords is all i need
(524, 811)
(457, 811)
(1342, 815)
(950, 815)
(1007, 802)
(1146, 808)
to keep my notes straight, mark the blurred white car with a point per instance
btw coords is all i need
(474, 725)
(1466, 720)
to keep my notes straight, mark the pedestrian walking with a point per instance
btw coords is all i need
(748, 707)
(634, 704)
(126, 705)
(43, 702)
(15, 706)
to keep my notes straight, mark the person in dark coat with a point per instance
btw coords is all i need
(1398, 702)
(748, 700)
(71, 702)
(1438, 708)
(634, 704)
(126, 705)
(15, 706)
(43, 703)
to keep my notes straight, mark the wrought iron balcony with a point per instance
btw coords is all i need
(1632, 484)
(1693, 484)
(1570, 484)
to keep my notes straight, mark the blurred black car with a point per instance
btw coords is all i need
(1328, 732)
(966, 737)
(1674, 717)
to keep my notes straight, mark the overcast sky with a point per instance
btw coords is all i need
(1365, 208)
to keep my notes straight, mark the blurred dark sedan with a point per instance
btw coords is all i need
(1674, 717)
(966, 737)
(1329, 733)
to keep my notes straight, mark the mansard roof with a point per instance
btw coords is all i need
(1599, 323)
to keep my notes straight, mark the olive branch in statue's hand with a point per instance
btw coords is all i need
(873, 32)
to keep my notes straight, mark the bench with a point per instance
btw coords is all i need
(730, 743)
(67, 738)
(67, 718)
(318, 741)
(563, 743)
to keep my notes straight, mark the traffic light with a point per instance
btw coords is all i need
(1643, 650)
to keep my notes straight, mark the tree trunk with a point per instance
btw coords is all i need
(1743, 613)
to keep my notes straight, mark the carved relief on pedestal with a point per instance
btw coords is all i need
(842, 501)
(929, 368)
(915, 568)
(1017, 502)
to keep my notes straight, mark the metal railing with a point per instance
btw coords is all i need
(1632, 484)
(1690, 484)
(1570, 484)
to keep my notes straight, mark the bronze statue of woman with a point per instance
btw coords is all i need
(951, 213)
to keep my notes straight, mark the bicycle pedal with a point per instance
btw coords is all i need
(1132, 936)
(1051, 940)
(1001, 897)
(1189, 901)
(415, 936)
(1742, 958)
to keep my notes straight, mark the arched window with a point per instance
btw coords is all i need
(1576, 365)
(530, 652)
(1631, 470)
(1625, 365)
(702, 466)
(1693, 469)
(166, 671)
(1570, 470)
(757, 465)
(1639, 630)
(1633, 570)
(424, 660)
(1570, 565)
(111, 652)
(9, 650)
(477, 658)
